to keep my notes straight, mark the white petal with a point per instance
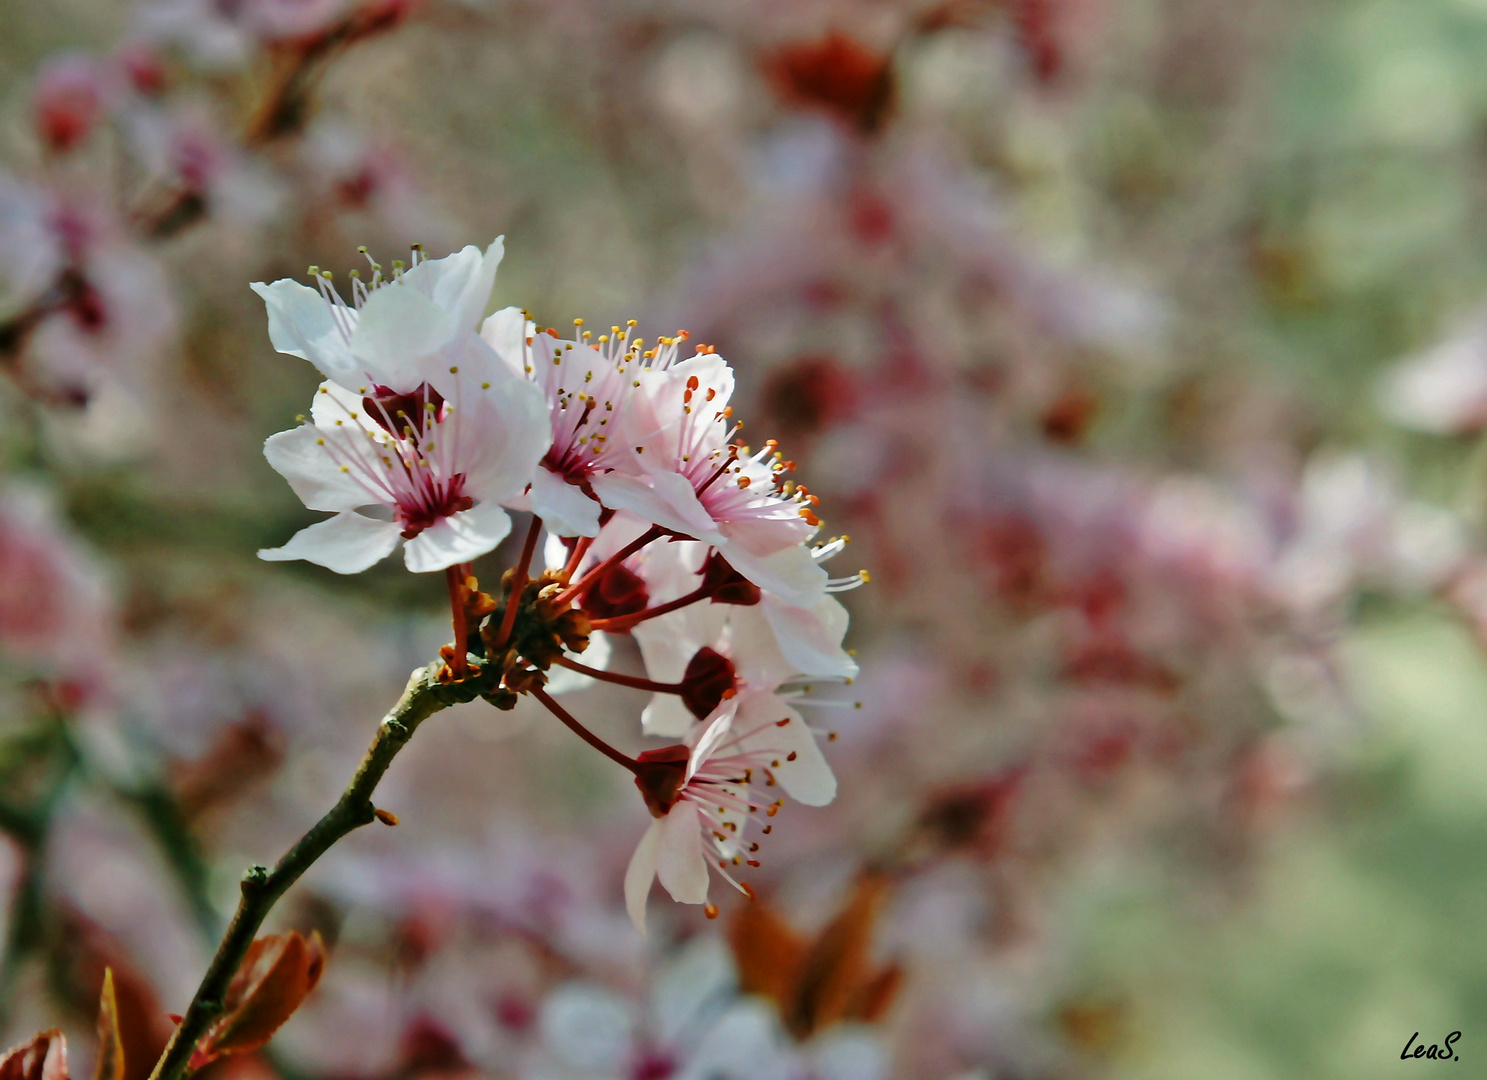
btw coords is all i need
(808, 779)
(667, 499)
(457, 538)
(513, 431)
(506, 332)
(811, 638)
(460, 283)
(398, 327)
(563, 508)
(666, 715)
(658, 427)
(311, 460)
(300, 324)
(791, 575)
(334, 402)
(668, 642)
(619, 531)
(347, 543)
(669, 570)
(715, 732)
(755, 652)
(679, 862)
(641, 872)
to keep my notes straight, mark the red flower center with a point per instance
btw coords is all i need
(433, 501)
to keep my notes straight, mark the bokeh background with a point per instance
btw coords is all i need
(1138, 345)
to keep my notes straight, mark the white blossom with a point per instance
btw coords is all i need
(418, 422)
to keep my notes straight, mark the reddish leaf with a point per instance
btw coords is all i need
(110, 1065)
(276, 976)
(838, 965)
(245, 753)
(817, 982)
(43, 1058)
(768, 952)
(144, 1028)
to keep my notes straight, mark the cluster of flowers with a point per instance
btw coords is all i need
(432, 424)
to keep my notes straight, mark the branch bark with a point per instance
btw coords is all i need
(262, 888)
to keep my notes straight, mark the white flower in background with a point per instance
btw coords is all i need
(693, 1024)
(703, 804)
(1442, 390)
(55, 609)
(183, 154)
(359, 174)
(220, 37)
(418, 421)
(1355, 526)
(680, 473)
(31, 254)
(111, 315)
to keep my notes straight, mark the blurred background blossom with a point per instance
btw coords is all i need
(1138, 347)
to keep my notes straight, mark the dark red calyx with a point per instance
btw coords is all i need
(618, 591)
(708, 680)
(725, 585)
(82, 301)
(395, 413)
(659, 774)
